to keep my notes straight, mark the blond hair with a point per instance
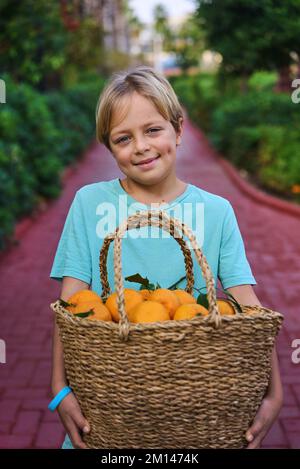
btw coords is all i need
(145, 81)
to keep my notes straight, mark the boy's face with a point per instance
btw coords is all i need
(138, 133)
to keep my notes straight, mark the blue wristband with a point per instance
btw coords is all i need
(58, 398)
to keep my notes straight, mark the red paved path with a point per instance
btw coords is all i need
(272, 243)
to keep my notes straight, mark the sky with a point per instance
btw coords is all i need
(143, 8)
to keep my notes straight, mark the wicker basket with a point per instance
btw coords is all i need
(176, 384)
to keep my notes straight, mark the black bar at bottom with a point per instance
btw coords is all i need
(148, 458)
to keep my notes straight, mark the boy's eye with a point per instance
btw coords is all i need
(123, 139)
(154, 130)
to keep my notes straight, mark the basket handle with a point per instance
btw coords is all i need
(162, 220)
(173, 231)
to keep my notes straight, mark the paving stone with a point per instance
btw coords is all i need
(27, 423)
(294, 440)
(275, 436)
(16, 442)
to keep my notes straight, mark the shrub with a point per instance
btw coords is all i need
(199, 94)
(257, 131)
(263, 81)
(17, 196)
(39, 135)
(243, 147)
(278, 158)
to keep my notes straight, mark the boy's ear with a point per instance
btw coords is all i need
(179, 133)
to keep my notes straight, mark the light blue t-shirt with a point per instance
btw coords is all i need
(97, 209)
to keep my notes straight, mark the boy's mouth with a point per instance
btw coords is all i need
(147, 161)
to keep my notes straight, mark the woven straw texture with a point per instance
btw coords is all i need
(175, 384)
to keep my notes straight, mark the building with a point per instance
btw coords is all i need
(110, 15)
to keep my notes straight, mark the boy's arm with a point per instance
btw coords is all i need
(273, 399)
(70, 286)
(69, 409)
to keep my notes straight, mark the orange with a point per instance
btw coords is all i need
(184, 297)
(145, 293)
(167, 298)
(149, 311)
(84, 295)
(99, 310)
(131, 297)
(189, 311)
(225, 308)
(100, 313)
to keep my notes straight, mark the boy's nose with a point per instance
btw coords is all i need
(141, 145)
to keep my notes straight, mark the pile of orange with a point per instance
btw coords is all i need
(142, 306)
(88, 304)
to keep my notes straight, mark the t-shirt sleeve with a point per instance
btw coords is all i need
(73, 257)
(234, 268)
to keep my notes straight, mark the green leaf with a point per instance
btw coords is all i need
(233, 300)
(85, 315)
(202, 300)
(230, 298)
(137, 278)
(151, 287)
(65, 304)
(237, 305)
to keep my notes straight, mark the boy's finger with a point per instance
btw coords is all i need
(255, 443)
(75, 437)
(254, 430)
(81, 422)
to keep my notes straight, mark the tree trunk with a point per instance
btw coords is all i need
(244, 83)
(283, 84)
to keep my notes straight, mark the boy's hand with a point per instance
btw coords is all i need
(73, 420)
(263, 421)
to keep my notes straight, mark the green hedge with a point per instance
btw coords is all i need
(199, 96)
(74, 114)
(258, 131)
(39, 135)
(279, 157)
(251, 110)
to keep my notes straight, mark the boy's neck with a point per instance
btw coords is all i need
(159, 193)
